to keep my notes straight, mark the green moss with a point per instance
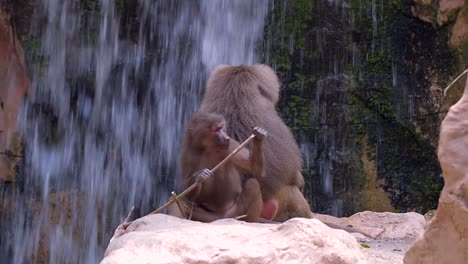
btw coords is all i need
(464, 51)
(374, 109)
(89, 5)
(465, 11)
(299, 114)
(32, 43)
(119, 4)
(412, 181)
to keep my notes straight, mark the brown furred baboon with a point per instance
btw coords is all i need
(246, 96)
(233, 190)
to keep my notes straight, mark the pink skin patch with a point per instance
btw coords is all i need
(269, 209)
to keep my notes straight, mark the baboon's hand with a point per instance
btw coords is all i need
(203, 175)
(259, 133)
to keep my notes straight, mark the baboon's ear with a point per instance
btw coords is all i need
(268, 83)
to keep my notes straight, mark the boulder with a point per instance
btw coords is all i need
(446, 237)
(166, 239)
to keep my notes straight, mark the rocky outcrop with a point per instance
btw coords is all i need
(459, 36)
(446, 238)
(443, 12)
(166, 239)
(14, 84)
(437, 12)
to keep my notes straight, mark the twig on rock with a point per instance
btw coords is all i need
(123, 226)
(454, 81)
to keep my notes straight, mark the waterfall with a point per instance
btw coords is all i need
(113, 86)
(328, 148)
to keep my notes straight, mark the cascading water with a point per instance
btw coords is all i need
(328, 145)
(112, 90)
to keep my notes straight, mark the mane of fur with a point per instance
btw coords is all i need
(246, 96)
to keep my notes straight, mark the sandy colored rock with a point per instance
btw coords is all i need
(439, 12)
(446, 238)
(459, 37)
(14, 84)
(382, 225)
(393, 233)
(165, 239)
(450, 5)
(448, 10)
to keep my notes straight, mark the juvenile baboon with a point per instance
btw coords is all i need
(246, 96)
(233, 190)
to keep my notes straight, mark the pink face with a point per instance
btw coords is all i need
(219, 136)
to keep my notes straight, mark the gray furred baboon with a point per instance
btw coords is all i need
(246, 96)
(225, 193)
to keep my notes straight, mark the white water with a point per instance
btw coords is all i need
(104, 123)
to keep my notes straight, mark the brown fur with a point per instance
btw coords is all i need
(246, 96)
(227, 193)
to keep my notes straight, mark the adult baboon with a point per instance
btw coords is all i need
(246, 96)
(226, 193)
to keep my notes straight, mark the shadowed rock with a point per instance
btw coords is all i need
(14, 84)
(446, 238)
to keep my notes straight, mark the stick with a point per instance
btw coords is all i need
(454, 81)
(123, 226)
(129, 214)
(195, 185)
(174, 196)
(240, 216)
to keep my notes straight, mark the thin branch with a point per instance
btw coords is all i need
(454, 81)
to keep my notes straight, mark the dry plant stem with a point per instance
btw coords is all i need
(174, 197)
(195, 185)
(123, 226)
(240, 216)
(454, 81)
(129, 214)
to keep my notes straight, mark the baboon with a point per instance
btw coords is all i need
(246, 96)
(233, 190)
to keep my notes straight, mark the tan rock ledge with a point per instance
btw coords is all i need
(165, 239)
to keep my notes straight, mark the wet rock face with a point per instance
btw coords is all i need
(445, 240)
(459, 37)
(448, 10)
(444, 12)
(437, 12)
(14, 84)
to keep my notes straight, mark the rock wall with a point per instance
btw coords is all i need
(14, 84)
(446, 12)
